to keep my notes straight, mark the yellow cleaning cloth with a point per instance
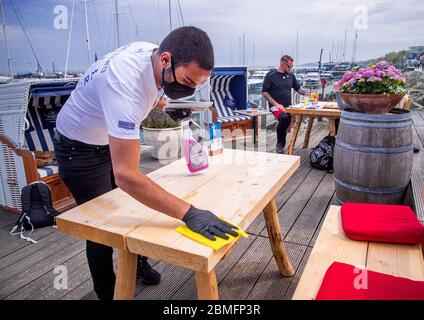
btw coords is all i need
(216, 245)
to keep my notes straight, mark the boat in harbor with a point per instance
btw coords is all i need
(312, 79)
(4, 80)
(300, 79)
(255, 83)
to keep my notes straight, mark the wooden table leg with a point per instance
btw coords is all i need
(308, 132)
(294, 135)
(277, 244)
(126, 276)
(332, 126)
(255, 130)
(207, 285)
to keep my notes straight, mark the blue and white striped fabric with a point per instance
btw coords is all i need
(37, 138)
(220, 91)
(233, 119)
(47, 171)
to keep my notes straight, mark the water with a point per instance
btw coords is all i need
(255, 94)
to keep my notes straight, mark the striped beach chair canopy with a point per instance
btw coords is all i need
(229, 92)
(44, 105)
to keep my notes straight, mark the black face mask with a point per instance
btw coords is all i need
(175, 90)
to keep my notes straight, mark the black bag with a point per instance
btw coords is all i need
(322, 156)
(37, 210)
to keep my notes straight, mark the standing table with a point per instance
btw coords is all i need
(238, 186)
(328, 110)
(255, 114)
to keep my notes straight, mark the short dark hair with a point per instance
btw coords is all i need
(188, 44)
(286, 58)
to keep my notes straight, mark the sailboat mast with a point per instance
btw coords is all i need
(244, 49)
(87, 33)
(9, 63)
(344, 46)
(254, 55)
(240, 51)
(297, 47)
(170, 15)
(137, 37)
(355, 43)
(118, 42)
(181, 13)
(69, 39)
(231, 53)
(39, 69)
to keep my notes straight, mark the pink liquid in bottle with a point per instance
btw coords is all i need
(195, 156)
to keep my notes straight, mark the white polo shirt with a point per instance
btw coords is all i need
(113, 97)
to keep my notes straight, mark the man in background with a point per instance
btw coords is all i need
(276, 89)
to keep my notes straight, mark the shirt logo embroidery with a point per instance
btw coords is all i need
(126, 125)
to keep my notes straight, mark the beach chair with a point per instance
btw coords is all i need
(28, 111)
(229, 94)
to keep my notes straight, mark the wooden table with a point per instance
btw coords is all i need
(238, 186)
(333, 245)
(328, 110)
(255, 114)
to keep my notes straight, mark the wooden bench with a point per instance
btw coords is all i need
(417, 184)
(333, 245)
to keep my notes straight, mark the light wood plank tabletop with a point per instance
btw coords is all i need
(238, 186)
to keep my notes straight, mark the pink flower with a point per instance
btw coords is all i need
(380, 73)
(349, 75)
(374, 79)
(383, 64)
(383, 72)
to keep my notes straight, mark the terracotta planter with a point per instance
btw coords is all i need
(166, 143)
(371, 103)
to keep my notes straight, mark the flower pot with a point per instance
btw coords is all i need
(341, 104)
(371, 103)
(166, 143)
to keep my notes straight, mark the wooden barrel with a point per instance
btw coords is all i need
(373, 157)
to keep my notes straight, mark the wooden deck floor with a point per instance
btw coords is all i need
(250, 272)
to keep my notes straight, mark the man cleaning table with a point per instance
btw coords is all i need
(97, 139)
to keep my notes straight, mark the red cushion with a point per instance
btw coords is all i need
(277, 114)
(345, 282)
(381, 223)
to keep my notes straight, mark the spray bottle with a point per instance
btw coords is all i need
(195, 155)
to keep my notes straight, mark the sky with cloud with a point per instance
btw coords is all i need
(270, 26)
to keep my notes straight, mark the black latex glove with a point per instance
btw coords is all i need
(178, 115)
(208, 224)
